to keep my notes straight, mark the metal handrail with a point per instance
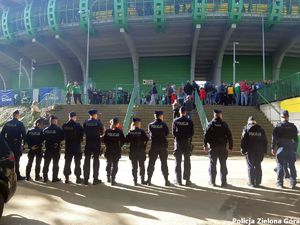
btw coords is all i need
(201, 112)
(127, 119)
(269, 103)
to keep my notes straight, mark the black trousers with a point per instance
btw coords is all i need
(214, 155)
(254, 160)
(286, 159)
(112, 163)
(16, 147)
(153, 155)
(77, 98)
(138, 162)
(68, 161)
(88, 153)
(51, 154)
(38, 155)
(187, 165)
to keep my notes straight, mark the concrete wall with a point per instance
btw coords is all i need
(273, 116)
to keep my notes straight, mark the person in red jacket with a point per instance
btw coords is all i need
(173, 97)
(202, 94)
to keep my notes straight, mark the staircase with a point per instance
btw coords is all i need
(107, 111)
(146, 114)
(237, 117)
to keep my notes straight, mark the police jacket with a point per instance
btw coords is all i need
(218, 134)
(73, 132)
(113, 139)
(285, 136)
(93, 130)
(158, 131)
(35, 137)
(14, 130)
(183, 129)
(137, 139)
(53, 136)
(4, 148)
(254, 139)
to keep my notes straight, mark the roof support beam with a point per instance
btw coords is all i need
(15, 56)
(282, 50)
(134, 56)
(216, 76)
(69, 68)
(4, 73)
(194, 50)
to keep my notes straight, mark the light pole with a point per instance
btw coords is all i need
(234, 62)
(20, 71)
(86, 77)
(31, 72)
(263, 47)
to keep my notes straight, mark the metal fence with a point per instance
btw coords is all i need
(280, 90)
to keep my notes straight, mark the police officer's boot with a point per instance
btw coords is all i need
(135, 181)
(79, 180)
(46, 179)
(108, 179)
(67, 180)
(143, 180)
(167, 182)
(148, 182)
(56, 179)
(113, 181)
(188, 183)
(86, 182)
(97, 181)
(38, 178)
(28, 178)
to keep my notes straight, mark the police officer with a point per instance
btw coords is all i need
(254, 145)
(158, 131)
(217, 135)
(14, 133)
(93, 129)
(35, 139)
(53, 136)
(284, 146)
(73, 133)
(114, 140)
(183, 131)
(138, 139)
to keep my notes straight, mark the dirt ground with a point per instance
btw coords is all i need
(36, 203)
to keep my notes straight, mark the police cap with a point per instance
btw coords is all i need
(136, 119)
(72, 114)
(284, 113)
(158, 113)
(217, 111)
(114, 121)
(16, 112)
(52, 117)
(93, 112)
(182, 109)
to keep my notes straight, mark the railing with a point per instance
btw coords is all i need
(126, 124)
(201, 112)
(280, 90)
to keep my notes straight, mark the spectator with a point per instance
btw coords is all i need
(77, 93)
(175, 107)
(253, 94)
(181, 96)
(230, 93)
(170, 91)
(237, 93)
(189, 106)
(221, 94)
(154, 93)
(188, 88)
(202, 94)
(173, 97)
(244, 89)
(195, 86)
(69, 88)
(35, 112)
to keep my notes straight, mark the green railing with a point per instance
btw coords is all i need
(127, 120)
(261, 97)
(280, 90)
(201, 112)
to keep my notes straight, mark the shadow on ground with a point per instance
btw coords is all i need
(20, 220)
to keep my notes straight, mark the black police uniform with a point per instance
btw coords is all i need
(5, 150)
(158, 131)
(217, 135)
(73, 133)
(35, 139)
(138, 141)
(114, 140)
(285, 139)
(53, 136)
(14, 132)
(254, 145)
(183, 131)
(93, 130)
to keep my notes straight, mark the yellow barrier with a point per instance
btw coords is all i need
(292, 105)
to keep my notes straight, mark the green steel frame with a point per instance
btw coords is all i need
(159, 15)
(120, 13)
(275, 13)
(53, 16)
(6, 28)
(198, 11)
(85, 15)
(29, 26)
(235, 8)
